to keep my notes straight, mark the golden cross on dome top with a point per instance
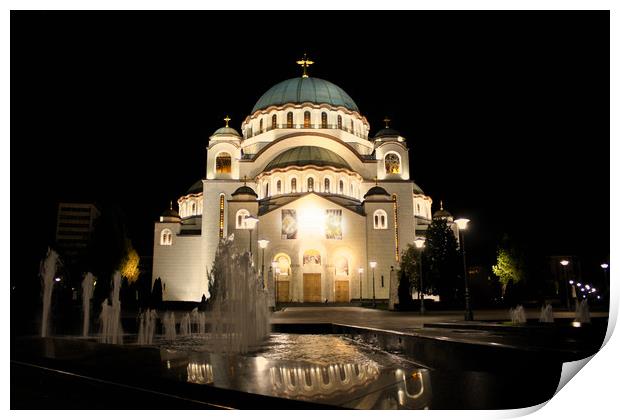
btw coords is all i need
(305, 63)
(245, 180)
(386, 120)
(376, 181)
(440, 204)
(170, 204)
(227, 119)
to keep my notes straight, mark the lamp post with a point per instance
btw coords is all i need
(565, 263)
(605, 266)
(250, 223)
(419, 243)
(360, 271)
(462, 225)
(263, 244)
(274, 266)
(373, 264)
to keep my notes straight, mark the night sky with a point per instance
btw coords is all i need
(506, 114)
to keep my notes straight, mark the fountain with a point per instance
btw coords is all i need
(47, 272)
(239, 304)
(185, 326)
(111, 329)
(148, 321)
(199, 320)
(87, 295)
(546, 314)
(170, 326)
(517, 315)
(582, 311)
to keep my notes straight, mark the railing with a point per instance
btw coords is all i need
(312, 126)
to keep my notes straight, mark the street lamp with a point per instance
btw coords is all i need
(605, 266)
(462, 225)
(360, 271)
(373, 264)
(564, 263)
(250, 223)
(263, 244)
(419, 243)
(274, 266)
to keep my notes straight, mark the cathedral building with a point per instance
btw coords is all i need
(325, 208)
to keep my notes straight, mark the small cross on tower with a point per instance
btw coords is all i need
(226, 120)
(305, 63)
(386, 120)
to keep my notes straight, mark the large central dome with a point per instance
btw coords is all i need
(305, 89)
(307, 155)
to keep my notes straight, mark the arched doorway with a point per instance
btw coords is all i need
(281, 266)
(312, 275)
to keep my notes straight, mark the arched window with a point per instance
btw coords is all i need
(289, 120)
(307, 119)
(392, 163)
(380, 219)
(260, 130)
(274, 121)
(341, 187)
(351, 191)
(266, 189)
(310, 184)
(326, 189)
(339, 122)
(294, 185)
(240, 219)
(221, 216)
(323, 119)
(193, 208)
(249, 132)
(165, 237)
(278, 187)
(223, 163)
(351, 125)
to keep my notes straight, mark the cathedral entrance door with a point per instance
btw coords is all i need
(312, 287)
(283, 291)
(342, 291)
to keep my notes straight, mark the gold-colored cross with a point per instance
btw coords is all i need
(227, 119)
(376, 181)
(305, 63)
(386, 120)
(245, 180)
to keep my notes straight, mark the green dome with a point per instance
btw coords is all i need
(227, 131)
(307, 155)
(305, 89)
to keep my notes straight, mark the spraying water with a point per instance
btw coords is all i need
(546, 314)
(148, 322)
(170, 326)
(582, 312)
(517, 315)
(87, 295)
(185, 326)
(198, 321)
(240, 306)
(47, 272)
(111, 329)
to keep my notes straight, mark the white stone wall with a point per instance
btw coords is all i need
(178, 265)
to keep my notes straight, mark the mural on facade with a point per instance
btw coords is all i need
(333, 224)
(289, 224)
(312, 257)
(342, 266)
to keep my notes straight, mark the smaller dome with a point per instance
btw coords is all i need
(376, 190)
(442, 214)
(196, 188)
(226, 131)
(244, 190)
(387, 132)
(170, 213)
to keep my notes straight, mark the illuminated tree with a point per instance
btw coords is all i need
(510, 266)
(129, 265)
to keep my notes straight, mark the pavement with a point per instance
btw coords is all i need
(397, 321)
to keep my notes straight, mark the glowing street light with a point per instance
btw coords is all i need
(373, 265)
(462, 225)
(360, 271)
(565, 263)
(276, 270)
(419, 243)
(57, 279)
(263, 244)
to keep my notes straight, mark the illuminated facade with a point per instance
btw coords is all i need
(328, 197)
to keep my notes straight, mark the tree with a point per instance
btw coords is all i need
(130, 262)
(442, 271)
(408, 275)
(510, 267)
(157, 295)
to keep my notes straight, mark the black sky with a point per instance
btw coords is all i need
(506, 114)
